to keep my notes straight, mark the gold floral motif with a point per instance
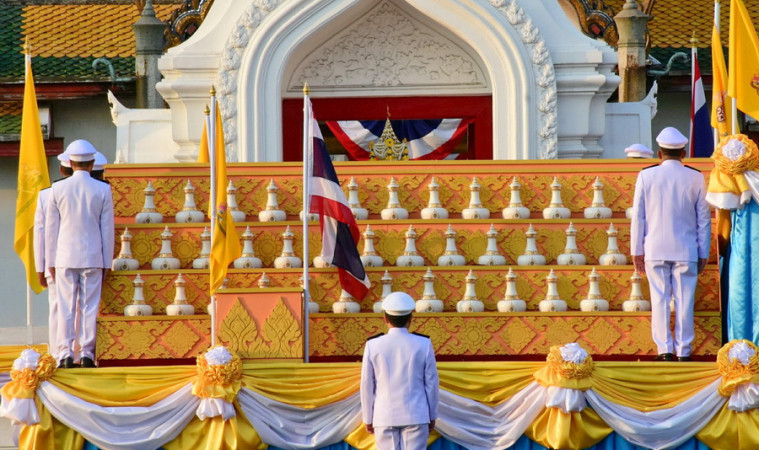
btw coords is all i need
(146, 244)
(514, 244)
(186, 246)
(146, 339)
(577, 191)
(267, 247)
(283, 332)
(517, 336)
(180, 338)
(169, 195)
(389, 244)
(552, 242)
(430, 244)
(603, 335)
(238, 331)
(128, 197)
(472, 244)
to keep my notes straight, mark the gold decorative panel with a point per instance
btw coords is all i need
(152, 337)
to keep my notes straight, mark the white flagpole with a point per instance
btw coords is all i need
(693, 59)
(307, 162)
(29, 311)
(212, 201)
(716, 25)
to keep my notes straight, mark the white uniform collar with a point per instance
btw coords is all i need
(394, 330)
(671, 161)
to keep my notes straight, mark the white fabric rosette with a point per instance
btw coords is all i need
(29, 370)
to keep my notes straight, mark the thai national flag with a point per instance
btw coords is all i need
(701, 138)
(340, 233)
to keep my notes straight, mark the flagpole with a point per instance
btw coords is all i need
(716, 25)
(693, 58)
(212, 199)
(29, 326)
(306, 209)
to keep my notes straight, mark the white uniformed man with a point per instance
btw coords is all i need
(39, 256)
(79, 251)
(636, 151)
(98, 169)
(399, 381)
(670, 237)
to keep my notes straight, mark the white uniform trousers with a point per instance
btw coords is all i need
(410, 437)
(52, 318)
(668, 280)
(77, 288)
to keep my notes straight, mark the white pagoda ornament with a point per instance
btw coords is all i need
(387, 288)
(552, 301)
(612, 257)
(165, 259)
(264, 282)
(202, 261)
(451, 256)
(180, 307)
(470, 303)
(149, 213)
(595, 301)
(320, 263)
(125, 261)
(234, 210)
(531, 256)
(247, 259)
(312, 217)
(346, 304)
(369, 257)
(287, 260)
(598, 209)
(410, 257)
(515, 210)
(571, 256)
(434, 209)
(491, 257)
(429, 301)
(353, 202)
(636, 302)
(556, 209)
(138, 307)
(511, 301)
(629, 213)
(394, 210)
(475, 209)
(190, 212)
(313, 307)
(272, 213)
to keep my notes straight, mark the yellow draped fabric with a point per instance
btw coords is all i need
(48, 434)
(731, 430)
(216, 433)
(565, 374)
(489, 383)
(556, 429)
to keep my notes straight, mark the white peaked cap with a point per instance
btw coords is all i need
(81, 150)
(100, 161)
(64, 160)
(398, 304)
(671, 138)
(638, 151)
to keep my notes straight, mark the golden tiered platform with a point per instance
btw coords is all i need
(252, 328)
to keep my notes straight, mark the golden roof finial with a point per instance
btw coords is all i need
(213, 91)
(694, 40)
(207, 111)
(27, 46)
(306, 90)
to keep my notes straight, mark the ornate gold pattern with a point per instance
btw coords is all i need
(152, 338)
(280, 338)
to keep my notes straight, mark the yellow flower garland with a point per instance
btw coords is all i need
(734, 372)
(218, 381)
(565, 374)
(747, 161)
(24, 382)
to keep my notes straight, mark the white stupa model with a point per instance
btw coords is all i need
(515, 210)
(511, 301)
(429, 301)
(553, 301)
(190, 212)
(313, 307)
(450, 256)
(247, 259)
(125, 261)
(394, 210)
(272, 213)
(636, 302)
(470, 303)
(149, 213)
(612, 257)
(598, 209)
(571, 256)
(346, 304)
(359, 212)
(410, 257)
(531, 256)
(434, 209)
(475, 209)
(180, 307)
(491, 257)
(595, 301)
(556, 209)
(203, 261)
(387, 288)
(287, 260)
(234, 210)
(165, 259)
(138, 307)
(370, 257)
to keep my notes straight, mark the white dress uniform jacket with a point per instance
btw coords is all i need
(39, 231)
(671, 219)
(79, 218)
(399, 380)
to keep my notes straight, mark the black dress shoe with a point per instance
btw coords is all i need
(665, 357)
(88, 363)
(684, 358)
(66, 363)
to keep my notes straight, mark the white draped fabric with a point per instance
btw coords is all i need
(654, 429)
(567, 400)
(19, 410)
(126, 427)
(744, 398)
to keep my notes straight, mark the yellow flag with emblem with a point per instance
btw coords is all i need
(32, 177)
(743, 82)
(721, 111)
(203, 150)
(225, 246)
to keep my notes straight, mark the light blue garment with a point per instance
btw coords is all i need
(743, 279)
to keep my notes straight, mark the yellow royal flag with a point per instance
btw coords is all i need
(32, 177)
(203, 151)
(721, 110)
(743, 82)
(225, 246)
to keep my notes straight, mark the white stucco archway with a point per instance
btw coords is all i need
(516, 59)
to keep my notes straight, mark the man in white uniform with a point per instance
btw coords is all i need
(399, 381)
(79, 251)
(39, 256)
(670, 237)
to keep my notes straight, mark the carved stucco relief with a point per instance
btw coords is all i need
(529, 34)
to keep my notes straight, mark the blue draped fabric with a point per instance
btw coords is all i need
(743, 291)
